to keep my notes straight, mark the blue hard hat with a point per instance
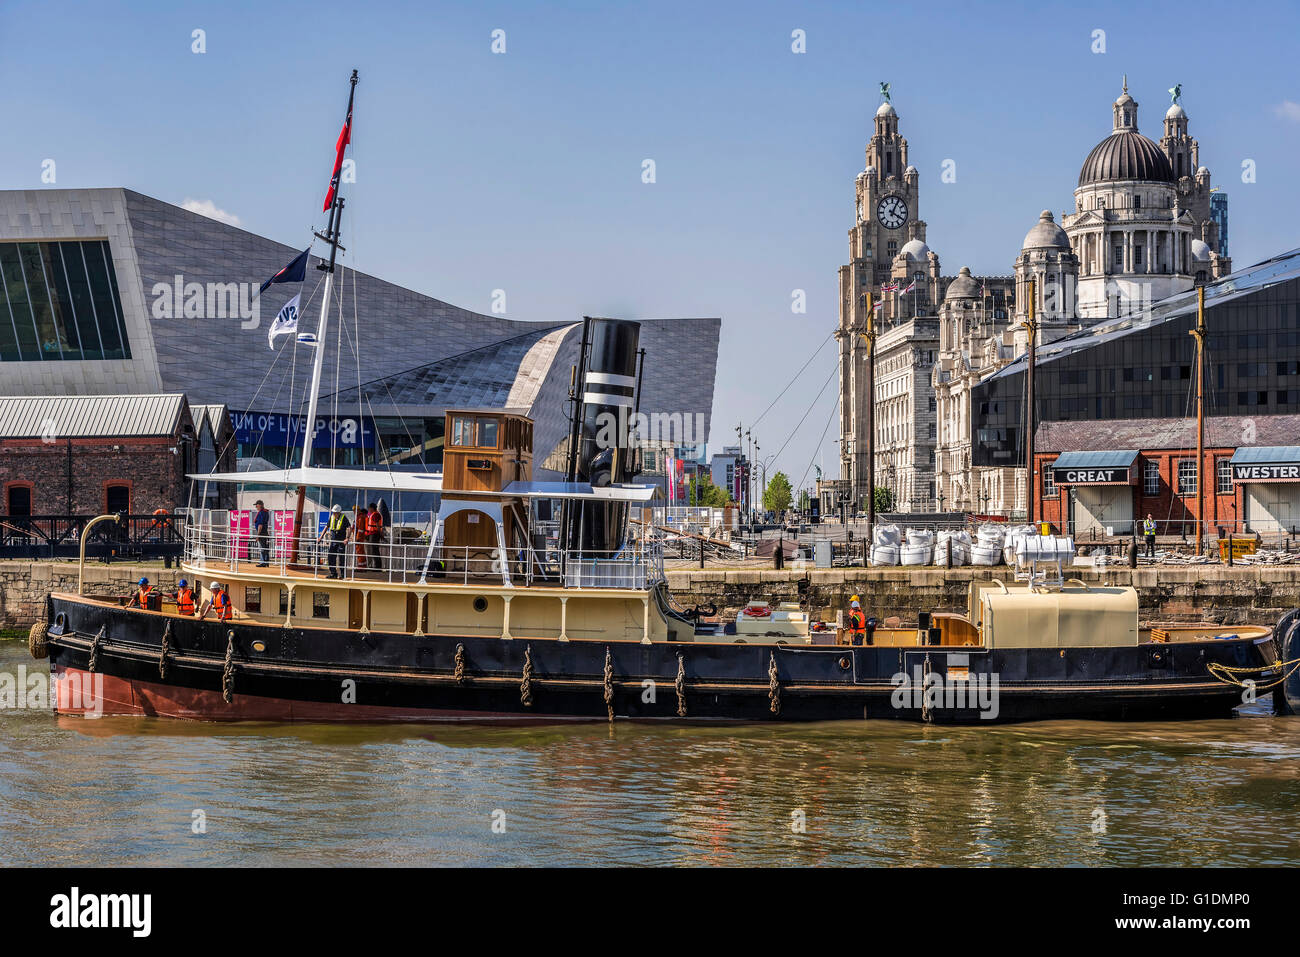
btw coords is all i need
(143, 581)
(182, 583)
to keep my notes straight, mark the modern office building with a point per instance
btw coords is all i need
(1143, 366)
(110, 292)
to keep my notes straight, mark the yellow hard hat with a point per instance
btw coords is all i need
(853, 598)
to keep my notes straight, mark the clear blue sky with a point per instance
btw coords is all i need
(522, 171)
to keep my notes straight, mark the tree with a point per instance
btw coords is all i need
(884, 499)
(778, 494)
(702, 491)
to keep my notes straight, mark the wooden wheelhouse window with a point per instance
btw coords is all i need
(462, 431)
(487, 434)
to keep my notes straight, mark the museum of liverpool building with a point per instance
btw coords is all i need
(108, 292)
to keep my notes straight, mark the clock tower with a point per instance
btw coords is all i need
(886, 219)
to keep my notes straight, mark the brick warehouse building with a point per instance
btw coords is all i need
(1099, 475)
(92, 455)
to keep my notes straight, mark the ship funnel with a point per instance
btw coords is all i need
(605, 453)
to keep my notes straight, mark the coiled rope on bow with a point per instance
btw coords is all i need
(1228, 673)
(228, 672)
(773, 686)
(94, 646)
(459, 673)
(681, 686)
(526, 685)
(166, 651)
(609, 683)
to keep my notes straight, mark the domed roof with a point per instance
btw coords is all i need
(1126, 154)
(1175, 112)
(1200, 250)
(914, 249)
(909, 171)
(885, 109)
(963, 287)
(1046, 234)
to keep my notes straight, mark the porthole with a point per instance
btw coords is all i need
(844, 663)
(259, 646)
(480, 604)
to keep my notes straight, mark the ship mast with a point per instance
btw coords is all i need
(1031, 325)
(330, 236)
(1199, 335)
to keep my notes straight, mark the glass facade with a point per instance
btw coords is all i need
(59, 301)
(1148, 370)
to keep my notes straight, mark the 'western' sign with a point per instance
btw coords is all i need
(1090, 476)
(1280, 472)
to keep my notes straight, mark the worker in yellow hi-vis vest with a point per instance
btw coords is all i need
(1149, 532)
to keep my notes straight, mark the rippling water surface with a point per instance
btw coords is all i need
(125, 791)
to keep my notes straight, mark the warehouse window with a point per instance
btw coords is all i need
(117, 498)
(1049, 483)
(59, 300)
(1223, 474)
(1151, 478)
(1187, 476)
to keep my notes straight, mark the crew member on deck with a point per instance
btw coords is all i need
(339, 528)
(374, 537)
(262, 530)
(141, 597)
(359, 535)
(1149, 531)
(184, 598)
(219, 602)
(857, 622)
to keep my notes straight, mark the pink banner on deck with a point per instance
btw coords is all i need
(241, 531)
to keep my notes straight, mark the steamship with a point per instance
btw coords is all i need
(544, 601)
(521, 600)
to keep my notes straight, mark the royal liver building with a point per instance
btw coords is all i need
(1141, 228)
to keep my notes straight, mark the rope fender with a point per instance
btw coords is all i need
(94, 646)
(526, 685)
(228, 672)
(774, 686)
(459, 673)
(925, 700)
(36, 644)
(681, 686)
(166, 650)
(609, 683)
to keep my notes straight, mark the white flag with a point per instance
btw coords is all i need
(286, 321)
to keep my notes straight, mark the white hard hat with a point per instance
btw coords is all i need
(337, 508)
(214, 586)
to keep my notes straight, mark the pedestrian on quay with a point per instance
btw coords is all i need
(1149, 532)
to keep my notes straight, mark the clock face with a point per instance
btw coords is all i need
(892, 212)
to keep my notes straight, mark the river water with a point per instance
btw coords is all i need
(118, 791)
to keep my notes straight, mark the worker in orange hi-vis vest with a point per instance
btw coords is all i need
(374, 537)
(857, 622)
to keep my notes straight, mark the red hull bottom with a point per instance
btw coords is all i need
(86, 693)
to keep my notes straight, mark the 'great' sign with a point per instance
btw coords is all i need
(1113, 476)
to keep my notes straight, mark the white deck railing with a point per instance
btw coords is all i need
(210, 543)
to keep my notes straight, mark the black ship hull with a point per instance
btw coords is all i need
(112, 660)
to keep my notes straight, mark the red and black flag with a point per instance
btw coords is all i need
(296, 271)
(345, 137)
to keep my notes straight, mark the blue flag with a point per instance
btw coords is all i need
(296, 271)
